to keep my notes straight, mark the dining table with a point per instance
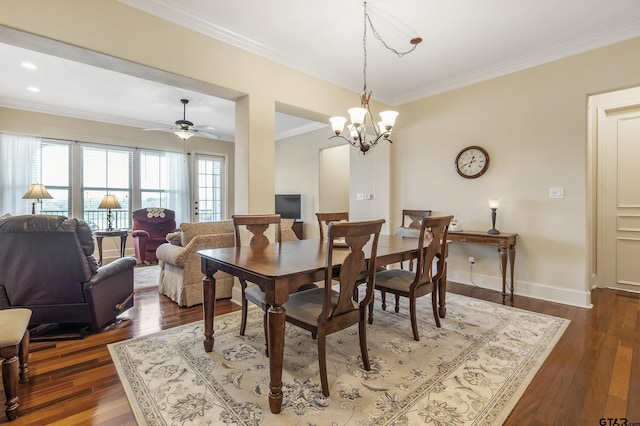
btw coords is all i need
(280, 269)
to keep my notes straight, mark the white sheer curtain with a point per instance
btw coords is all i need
(178, 186)
(16, 172)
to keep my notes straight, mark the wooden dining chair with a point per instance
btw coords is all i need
(413, 220)
(325, 218)
(424, 280)
(254, 226)
(263, 229)
(325, 310)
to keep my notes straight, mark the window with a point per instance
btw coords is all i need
(105, 171)
(52, 167)
(164, 182)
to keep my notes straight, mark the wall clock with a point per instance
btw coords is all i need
(472, 162)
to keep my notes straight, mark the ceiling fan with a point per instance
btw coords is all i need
(184, 129)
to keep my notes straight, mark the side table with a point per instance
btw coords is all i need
(506, 246)
(122, 233)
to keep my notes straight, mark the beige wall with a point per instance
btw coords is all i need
(534, 125)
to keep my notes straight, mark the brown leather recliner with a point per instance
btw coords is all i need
(47, 265)
(150, 229)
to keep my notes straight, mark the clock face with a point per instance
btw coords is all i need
(472, 162)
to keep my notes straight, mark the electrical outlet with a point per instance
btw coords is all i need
(472, 260)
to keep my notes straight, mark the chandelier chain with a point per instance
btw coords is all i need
(367, 18)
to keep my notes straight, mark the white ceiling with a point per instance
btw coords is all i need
(465, 41)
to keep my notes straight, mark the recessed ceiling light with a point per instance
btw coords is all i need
(33, 89)
(29, 66)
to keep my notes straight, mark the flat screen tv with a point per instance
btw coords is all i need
(288, 206)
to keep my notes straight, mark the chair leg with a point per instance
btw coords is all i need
(434, 305)
(397, 303)
(414, 321)
(322, 362)
(383, 296)
(243, 321)
(363, 341)
(371, 311)
(10, 380)
(266, 331)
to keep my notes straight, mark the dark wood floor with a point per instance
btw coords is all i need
(588, 376)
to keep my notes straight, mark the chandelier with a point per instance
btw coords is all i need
(361, 118)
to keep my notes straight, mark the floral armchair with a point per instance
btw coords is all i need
(150, 229)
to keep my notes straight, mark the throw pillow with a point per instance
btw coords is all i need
(175, 238)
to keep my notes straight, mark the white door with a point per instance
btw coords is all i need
(618, 191)
(209, 188)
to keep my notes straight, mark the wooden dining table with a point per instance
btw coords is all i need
(280, 269)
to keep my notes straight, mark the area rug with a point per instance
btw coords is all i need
(472, 371)
(146, 276)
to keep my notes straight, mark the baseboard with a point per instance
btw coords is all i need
(580, 299)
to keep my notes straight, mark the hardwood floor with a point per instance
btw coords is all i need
(588, 376)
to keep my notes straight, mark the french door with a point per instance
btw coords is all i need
(209, 188)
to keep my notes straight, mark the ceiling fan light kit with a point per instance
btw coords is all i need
(361, 117)
(184, 128)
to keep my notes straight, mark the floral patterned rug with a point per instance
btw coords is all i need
(471, 371)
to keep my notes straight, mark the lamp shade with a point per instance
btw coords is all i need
(184, 134)
(109, 202)
(36, 191)
(494, 203)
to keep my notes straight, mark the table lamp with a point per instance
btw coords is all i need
(37, 192)
(109, 202)
(493, 205)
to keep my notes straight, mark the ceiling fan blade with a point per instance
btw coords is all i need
(204, 127)
(206, 134)
(163, 129)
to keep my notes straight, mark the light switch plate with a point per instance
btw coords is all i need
(556, 192)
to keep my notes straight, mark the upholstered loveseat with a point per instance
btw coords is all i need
(180, 274)
(47, 265)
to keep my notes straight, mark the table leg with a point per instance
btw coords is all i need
(123, 244)
(99, 241)
(275, 326)
(503, 260)
(208, 308)
(512, 259)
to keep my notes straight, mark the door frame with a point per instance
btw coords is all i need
(600, 105)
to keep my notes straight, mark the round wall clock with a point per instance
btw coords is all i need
(472, 162)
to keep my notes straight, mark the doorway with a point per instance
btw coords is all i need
(614, 138)
(209, 188)
(334, 179)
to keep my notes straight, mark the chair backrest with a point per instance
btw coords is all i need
(325, 218)
(434, 229)
(356, 235)
(158, 222)
(257, 225)
(415, 217)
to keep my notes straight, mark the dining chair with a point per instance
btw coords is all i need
(256, 225)
(263, 229)
(424, 280)
(326, 310)
(325, 218)
(413, 220)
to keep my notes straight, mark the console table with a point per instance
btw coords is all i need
(506, 246)
(122, 233)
